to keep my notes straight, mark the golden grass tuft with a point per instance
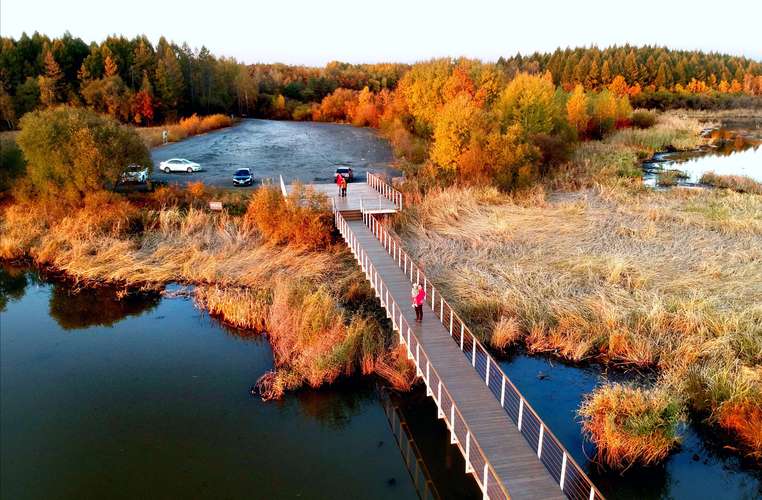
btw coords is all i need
(631, 425)
(507, 332)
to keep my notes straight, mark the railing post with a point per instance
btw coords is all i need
(450, 322)
(473, 351)
(487, 375)
(592, 492)
(440, 413)
(502, 393)
(469, 468)
(539, 441)
(441, 308)
(563, 471)
(433, 291)
(485, 477)
(453, 436)
(521, 411)
(462, 328)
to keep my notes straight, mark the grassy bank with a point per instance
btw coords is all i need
(319, 315)
(186, 127)
(668, 281)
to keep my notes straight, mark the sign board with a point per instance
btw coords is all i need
(215, 205)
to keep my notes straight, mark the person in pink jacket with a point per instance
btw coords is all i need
(420, 298)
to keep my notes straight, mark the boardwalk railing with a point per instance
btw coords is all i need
(562, 467)
(460, 434)
(387, 191)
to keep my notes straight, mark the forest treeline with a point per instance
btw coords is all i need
(135, 81)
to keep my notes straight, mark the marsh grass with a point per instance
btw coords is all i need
(656, 280)
(738, 183)
(293, 286)
(631, 425)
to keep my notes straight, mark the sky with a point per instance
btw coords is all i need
(315, 32)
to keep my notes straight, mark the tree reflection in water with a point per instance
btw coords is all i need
(13, 283)
(101, 306)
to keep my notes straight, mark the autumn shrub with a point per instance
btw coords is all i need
(74, 151)
(631, 425)
(12, 163)
(643, 118)
(302, 219)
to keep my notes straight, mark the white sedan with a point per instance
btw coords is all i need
(179, 165)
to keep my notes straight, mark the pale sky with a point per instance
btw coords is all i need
(315, 32)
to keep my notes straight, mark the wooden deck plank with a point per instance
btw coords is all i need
(515, 463)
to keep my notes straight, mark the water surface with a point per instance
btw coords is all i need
(148, 397)
(697, 470)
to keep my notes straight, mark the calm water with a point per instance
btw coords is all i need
(149, 398)
(306, 151)
(740, 154)
(696, 471)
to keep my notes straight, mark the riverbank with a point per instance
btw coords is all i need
(595, 266)
(274, 269)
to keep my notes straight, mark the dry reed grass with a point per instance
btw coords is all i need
(739, 183)
(314, 304)
(631, 425)
(624, 275)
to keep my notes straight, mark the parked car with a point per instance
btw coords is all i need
(134, 173)
(179, 165)
(345, 172)
(243, 177)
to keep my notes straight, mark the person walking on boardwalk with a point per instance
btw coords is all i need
(343, 186)
(419, 300)
(339, 179)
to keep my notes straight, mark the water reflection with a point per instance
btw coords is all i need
(101, 306)
(157, 405)
(13, 283)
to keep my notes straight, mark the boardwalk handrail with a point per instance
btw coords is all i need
(387, 191)
(460, 433)
(562, 467)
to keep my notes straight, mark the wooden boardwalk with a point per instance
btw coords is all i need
(515, 464)
(360, 196)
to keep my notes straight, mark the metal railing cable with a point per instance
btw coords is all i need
(386, 190)
(569, 476)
